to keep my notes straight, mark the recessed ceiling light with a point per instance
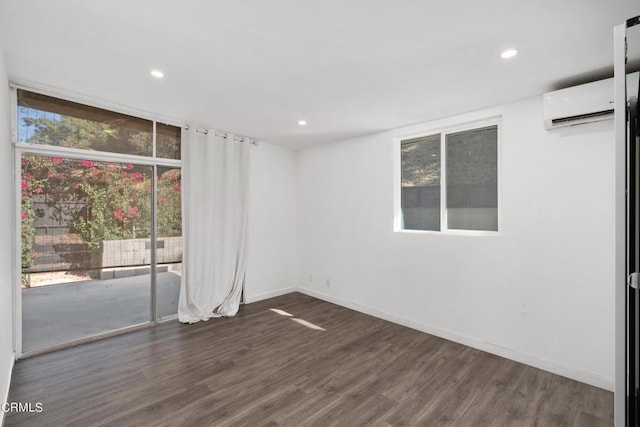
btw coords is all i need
(302, 122)
(157, 74)
(508, 53)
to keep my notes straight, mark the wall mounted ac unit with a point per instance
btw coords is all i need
(585, 103)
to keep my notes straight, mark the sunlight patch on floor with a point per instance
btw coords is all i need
(281, 312)
(299, 321)
(308, 324)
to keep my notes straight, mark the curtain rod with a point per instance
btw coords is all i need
(224, 135)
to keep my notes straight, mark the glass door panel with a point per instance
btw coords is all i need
(169, 241)
(85, 237)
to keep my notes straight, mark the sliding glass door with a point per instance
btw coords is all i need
(169, 241)
(100, 220)
(85, 254)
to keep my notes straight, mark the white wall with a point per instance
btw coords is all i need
(540, 293)
(272, 218)
(6, 249)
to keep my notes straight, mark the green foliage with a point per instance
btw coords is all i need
(421, 161)
(117, 202)
(69, 132)
(99, 200)
(117, 135)
(169, 202)
(30, 186)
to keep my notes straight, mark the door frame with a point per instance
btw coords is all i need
(20, 149)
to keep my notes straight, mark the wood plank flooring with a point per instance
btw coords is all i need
(263, 368)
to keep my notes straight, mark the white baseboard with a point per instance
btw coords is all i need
(6, 393)
(259, 297)
(528, 359)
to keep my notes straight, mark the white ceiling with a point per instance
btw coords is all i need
(349, 67)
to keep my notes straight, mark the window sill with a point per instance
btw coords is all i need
(466, 233)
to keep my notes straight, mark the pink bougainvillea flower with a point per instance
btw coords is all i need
(137, 176)
(133, 209)
(38, 190)
(162, 199)
(176, 187)
(118, 213)
(86, 163)
(25, 184)
(56, 160)
(128, 166)
(24, 215)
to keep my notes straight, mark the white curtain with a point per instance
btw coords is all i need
(215, 201)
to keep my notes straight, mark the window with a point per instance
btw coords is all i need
(44, 120)
(449, 181)
(100, 220)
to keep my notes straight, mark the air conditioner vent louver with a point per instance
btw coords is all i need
(582, 118)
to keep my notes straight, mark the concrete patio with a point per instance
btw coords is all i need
(61, 313)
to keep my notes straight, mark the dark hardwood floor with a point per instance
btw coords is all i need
(265, 368)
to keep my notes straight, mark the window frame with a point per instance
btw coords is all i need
(21, 148)
(443, 131)
(80, 153)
